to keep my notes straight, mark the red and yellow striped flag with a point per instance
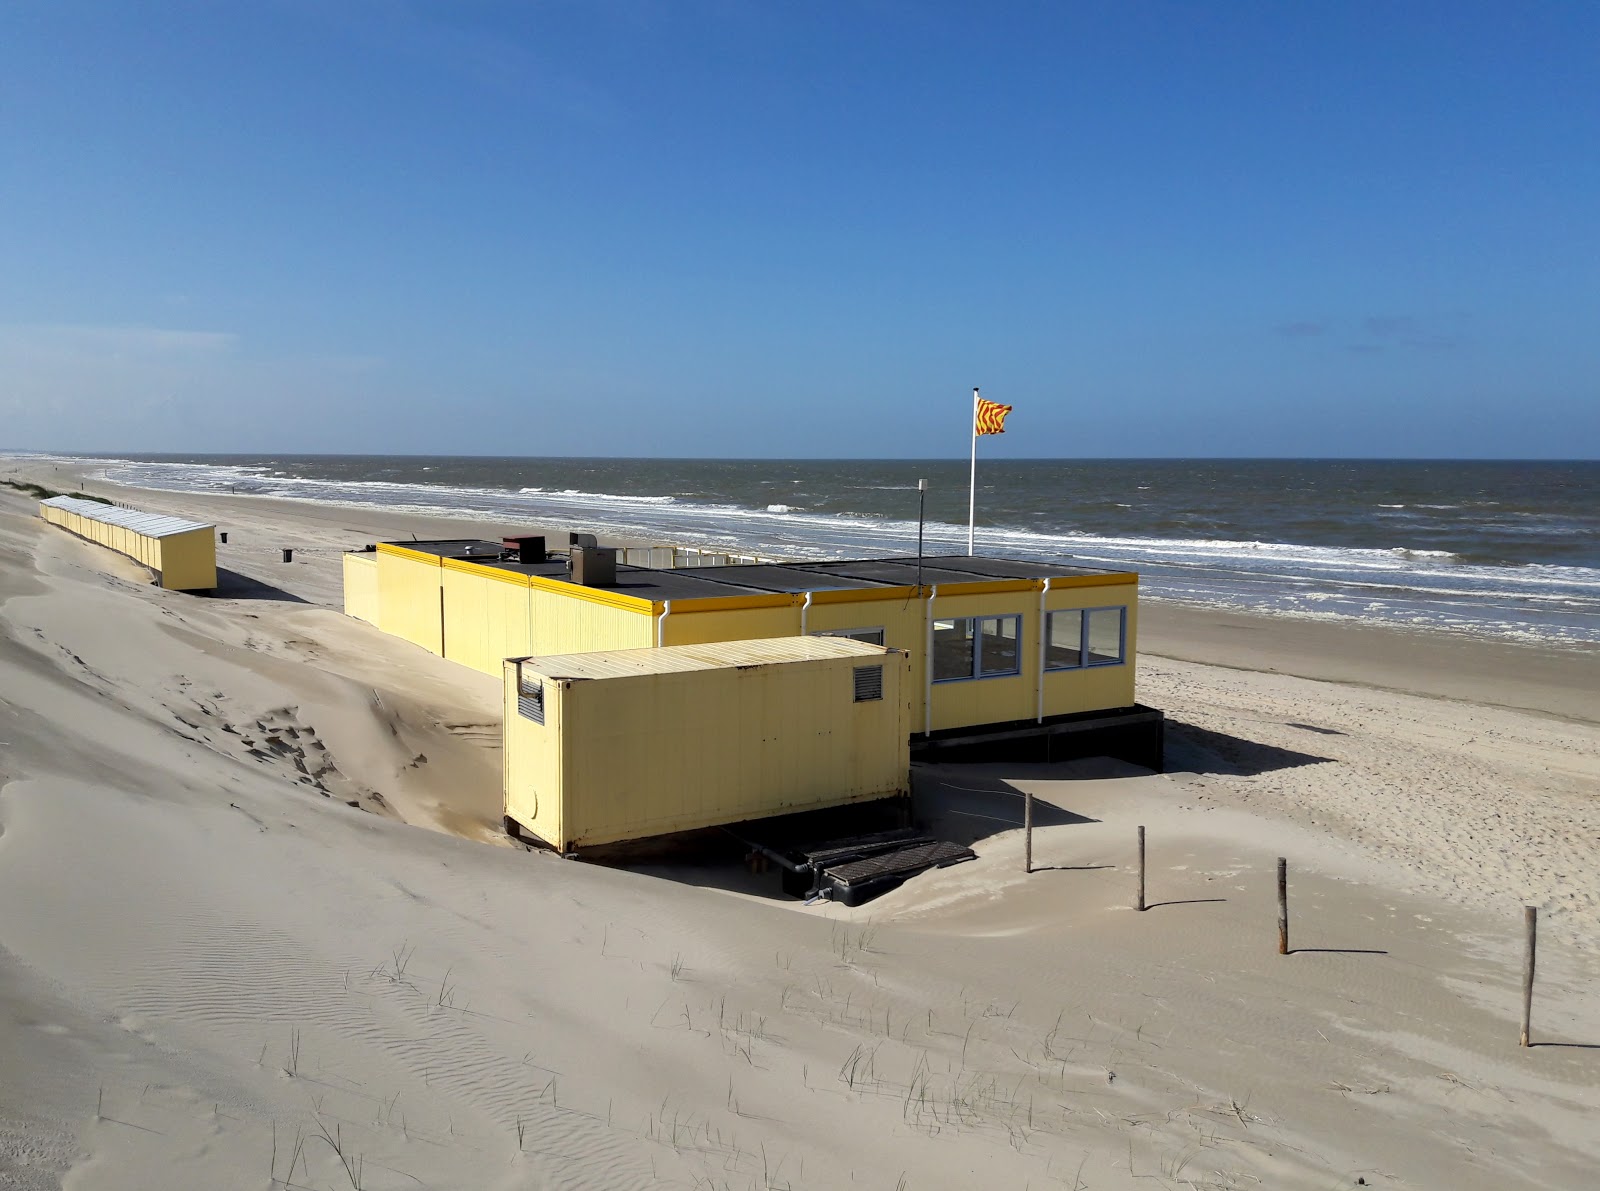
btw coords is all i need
(991, 417)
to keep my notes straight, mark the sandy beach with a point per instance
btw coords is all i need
(259, 926)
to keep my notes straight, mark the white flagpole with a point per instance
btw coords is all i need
(972, 491)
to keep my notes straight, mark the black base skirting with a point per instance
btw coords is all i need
(1133, 734)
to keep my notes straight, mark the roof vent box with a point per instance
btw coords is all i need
(594, 566)
(527, 548)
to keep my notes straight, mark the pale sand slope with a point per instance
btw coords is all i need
(199, 952)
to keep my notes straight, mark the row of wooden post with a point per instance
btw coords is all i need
(1530, 913)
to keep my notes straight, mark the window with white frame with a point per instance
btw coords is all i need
(870, 636)
(976, 647)
(1081, 637)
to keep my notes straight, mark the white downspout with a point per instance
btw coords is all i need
(804, 609)
(927, 667)
(661, 624)
(1043, 592)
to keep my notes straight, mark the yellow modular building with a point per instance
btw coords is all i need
(361, 585)
(998, 644)
(625, 744)
(182, 554)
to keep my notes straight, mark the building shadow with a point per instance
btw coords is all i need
(960, 804)
(964, 804)
(231, 585)
(1193, 749)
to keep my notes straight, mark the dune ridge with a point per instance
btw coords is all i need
(216, 971)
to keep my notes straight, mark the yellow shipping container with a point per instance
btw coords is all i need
(181, 553)
(623, 745)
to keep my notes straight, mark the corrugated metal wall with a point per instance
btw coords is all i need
(486, 616)
(361, 587)
(628, 758)
(581, 619)
(409, 604)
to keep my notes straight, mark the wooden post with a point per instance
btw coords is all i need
(1283, 906)
(1027, 830)
(1530, 918)
(1140, 905)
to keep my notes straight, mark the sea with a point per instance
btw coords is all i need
(1498, 549)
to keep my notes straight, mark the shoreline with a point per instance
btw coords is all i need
(1343, 580)
(1549, 678)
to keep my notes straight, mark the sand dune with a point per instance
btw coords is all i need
(217, 972)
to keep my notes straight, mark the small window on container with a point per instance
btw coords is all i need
(870, 636)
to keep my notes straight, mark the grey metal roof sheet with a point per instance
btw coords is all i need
(713, 655)
(784, 577)
(151, 525)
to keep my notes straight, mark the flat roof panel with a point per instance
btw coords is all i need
(713, 655)
(641, 582)
(1012, 568)
(454, 548)
(895, 571)
(151, 525)
(783, 577)
(947, 568)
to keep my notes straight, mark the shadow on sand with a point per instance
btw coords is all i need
(231, 585)
(1185, 901)
(960, 803)
(1194, 749)
(1336, 951)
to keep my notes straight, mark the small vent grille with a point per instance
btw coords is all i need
(869, 683)
(530, 701)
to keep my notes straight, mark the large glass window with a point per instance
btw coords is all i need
(976, 647)
(870, 636)
(1088, 637)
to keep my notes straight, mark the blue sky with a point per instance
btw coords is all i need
(725, 228)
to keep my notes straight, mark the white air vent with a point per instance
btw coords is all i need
(530, 701)
(869, 683)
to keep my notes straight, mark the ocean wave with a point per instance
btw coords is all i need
(1203, 567)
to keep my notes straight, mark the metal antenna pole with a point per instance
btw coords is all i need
(922, 508)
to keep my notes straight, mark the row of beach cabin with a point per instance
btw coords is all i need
(182, 554)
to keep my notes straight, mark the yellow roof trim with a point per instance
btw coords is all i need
(861, 595)
(738, 603)
(473, 567)
(1111, 579)
(432, 560)
(989, 587)
(593, 595)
